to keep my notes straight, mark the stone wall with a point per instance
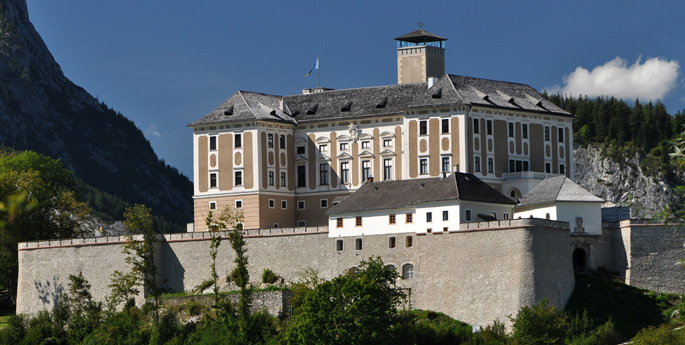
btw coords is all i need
(273, 302)
(483, 272)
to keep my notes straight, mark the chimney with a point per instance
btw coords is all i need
(369, 179)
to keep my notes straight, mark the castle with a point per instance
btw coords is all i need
(464, 185)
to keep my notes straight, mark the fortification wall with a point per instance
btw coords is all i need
(481, 273)
(653, 255)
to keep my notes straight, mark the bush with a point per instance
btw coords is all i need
(662, 335)
(269, 277)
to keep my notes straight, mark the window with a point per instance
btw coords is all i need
(494, 215)
(423, 166)
(476, 164)
(344, 146)
(524, 130)
(408, 271)
(300, 204)
(392, 242)
(283, 179)
(490, 165)
(409, 218)
(445, 215)
(561, 135)
(548, 168)
(338, 222)
(339, 245)
(300, 150)
(358, 244)
(517, 165)
(301, 176)
(358, 221)
(212, 143)
(387, 169)
(429, 217)
(270, 140)
(562, 169)
(272, 180)
(546, 133)
(505, 216)
(445, 126)
(212, 180)
(238, 141)
(275, 226)
(387, 142)
(391, 219)
(366, 144)
(423, 127)
(488, 127)
(324, 203)
(272, 203)
(366, 170)
(323, 174)
(429, 230)
(238, 204)
(391, 267)
(344, 172)
(511, 130)
(301, 223)
(476, 126)
(323, 148)
(467, 215)
(445, 229)
(281, 141)
(446, 164)
(284, 204)
(409, 242)
(212, 205)
(238, 178)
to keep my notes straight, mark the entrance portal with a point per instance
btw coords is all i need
(579, 260)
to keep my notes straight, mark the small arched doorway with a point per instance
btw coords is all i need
(579, 260)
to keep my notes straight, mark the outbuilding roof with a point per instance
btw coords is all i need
(554, 189)
(449, 90)
(409, 193)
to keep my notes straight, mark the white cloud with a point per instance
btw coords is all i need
(152, 130)
(650, 80)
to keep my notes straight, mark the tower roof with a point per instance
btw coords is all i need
(554, 189)
(420, 36)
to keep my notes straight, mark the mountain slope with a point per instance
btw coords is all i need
(42, 110)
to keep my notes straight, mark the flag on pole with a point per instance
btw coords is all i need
(316, 66)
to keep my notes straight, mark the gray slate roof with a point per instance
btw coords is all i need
(419, 36)
(408, 193)
(555, 189)
(450, 90)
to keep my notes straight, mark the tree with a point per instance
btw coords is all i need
(32, 181)
(357, 308)
(140, 256)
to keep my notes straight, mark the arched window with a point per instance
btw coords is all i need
(391, 267)
(547, 216)
(408, 271)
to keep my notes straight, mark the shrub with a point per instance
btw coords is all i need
(269, 277)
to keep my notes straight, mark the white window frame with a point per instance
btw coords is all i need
(241, 204)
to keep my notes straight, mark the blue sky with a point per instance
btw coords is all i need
(167, 63)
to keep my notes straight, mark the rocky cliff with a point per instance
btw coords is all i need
(625, 183)
(42, 110)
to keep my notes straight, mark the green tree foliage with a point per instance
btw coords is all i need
(357, 308)
(31, 181)
(140, 256)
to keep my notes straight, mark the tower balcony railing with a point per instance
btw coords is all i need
(527, 175)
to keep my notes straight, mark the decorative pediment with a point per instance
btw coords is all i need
(365, 136)
(323, 158)
(300, 159)
(344, 156)
(300, 141)
(344, 138)
(387, 135)
(387, 153)
(366, 154)
(323, 140)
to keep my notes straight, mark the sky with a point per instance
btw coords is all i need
(167, 63)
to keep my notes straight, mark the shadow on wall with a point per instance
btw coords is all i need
(49, 292)
(172, 271)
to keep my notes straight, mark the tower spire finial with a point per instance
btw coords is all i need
(420, 24)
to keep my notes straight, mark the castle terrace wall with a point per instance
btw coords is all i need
(482, 272)
(653, 252)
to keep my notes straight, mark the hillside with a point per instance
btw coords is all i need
(45, 112)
